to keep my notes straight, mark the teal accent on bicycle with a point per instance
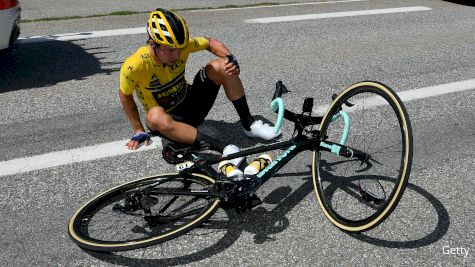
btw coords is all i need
(171, 205)
(277, 160)
(344, 137)
(278, 104)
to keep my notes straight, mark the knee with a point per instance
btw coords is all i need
(159, 120)
(215, 70)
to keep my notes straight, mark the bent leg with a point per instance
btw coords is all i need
(179, 132)
(215, 70)
(159, 120)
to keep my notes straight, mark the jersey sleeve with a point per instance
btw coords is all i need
(129, 76)
(197, 44)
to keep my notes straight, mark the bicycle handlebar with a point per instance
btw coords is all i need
(278, 105)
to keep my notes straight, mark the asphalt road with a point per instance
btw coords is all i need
(50, 8)
(57, 96)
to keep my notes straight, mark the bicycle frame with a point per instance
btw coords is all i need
(300, 142)
(291, 148)
(170, 205)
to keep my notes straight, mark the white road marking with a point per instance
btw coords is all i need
(80, 35)
(141, 30)
(279, 5)
(59, 158)
(407, 96)
(338, 14)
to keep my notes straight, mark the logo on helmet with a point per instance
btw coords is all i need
(167, 28)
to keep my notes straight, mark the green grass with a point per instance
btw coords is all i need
(126, 13)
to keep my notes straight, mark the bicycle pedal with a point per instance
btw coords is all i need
(184, 165)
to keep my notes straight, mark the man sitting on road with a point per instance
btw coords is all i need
(156, 72)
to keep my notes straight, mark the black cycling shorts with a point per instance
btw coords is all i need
(198, 102)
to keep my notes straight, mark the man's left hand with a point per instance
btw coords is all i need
(232, 65)
(137, 139)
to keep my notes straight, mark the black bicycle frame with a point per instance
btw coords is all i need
(291, 148)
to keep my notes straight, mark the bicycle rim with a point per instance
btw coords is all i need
(354, 194)
(114, 221)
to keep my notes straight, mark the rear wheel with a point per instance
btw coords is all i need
(360, 187)
(143, 212)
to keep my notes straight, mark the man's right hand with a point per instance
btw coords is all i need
(137, 139)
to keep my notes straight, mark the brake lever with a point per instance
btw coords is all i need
(280, 89)
(347, 103)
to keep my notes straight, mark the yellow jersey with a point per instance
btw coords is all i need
(160, 84)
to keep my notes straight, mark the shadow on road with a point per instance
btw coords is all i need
(232, 133)
(462, 2)
(439, 231)
(264, 223)
(42, 64)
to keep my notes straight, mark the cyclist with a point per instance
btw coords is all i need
(173, 107)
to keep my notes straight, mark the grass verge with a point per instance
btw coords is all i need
(127, 13)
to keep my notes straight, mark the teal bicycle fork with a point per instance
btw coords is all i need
(336, 148)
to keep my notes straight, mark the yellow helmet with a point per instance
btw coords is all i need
(167, 28)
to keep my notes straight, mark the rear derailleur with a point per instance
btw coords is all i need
(135, 202)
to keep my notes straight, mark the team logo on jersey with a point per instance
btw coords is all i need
(155, 83)
(178, 64)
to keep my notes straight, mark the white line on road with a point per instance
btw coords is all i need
(339, 14)
(278, 5)
(59, 158)
(80, 35)
(141, 30)
(54, 159)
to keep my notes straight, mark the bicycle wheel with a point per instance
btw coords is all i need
(143, 212)
(360, 190)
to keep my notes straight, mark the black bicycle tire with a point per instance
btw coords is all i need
(406, 163)
(87, 243)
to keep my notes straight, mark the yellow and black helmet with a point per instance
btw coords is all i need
(167, 28)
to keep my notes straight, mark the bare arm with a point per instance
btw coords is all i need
(130, 109)
(217, 48)
(220, 50)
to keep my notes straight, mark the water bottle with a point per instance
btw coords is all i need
(258, 164)
(229, 169)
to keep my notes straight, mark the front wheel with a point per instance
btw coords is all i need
(143, 212)
(359, 184)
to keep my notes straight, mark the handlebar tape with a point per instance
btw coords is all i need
(278, 104)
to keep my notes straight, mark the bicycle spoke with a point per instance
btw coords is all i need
(144, 212)
(354, 192)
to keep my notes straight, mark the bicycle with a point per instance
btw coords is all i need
(357, 179)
